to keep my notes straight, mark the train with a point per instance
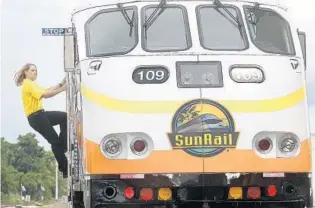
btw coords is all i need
(187, 103)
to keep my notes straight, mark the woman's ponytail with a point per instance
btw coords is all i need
(20, 75)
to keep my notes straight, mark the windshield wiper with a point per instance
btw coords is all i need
(154, 14)
(236, 20)
(127, 18)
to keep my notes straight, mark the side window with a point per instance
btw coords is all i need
(269, 31)
(302, 37)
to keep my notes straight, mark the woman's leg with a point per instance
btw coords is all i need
(59, 118)
(42, 125)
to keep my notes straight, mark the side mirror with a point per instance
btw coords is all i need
(302, 38)
(69, 60)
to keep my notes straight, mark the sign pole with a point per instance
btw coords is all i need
(57, 32)
(56, 194)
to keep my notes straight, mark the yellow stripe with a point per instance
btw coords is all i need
(239, 106)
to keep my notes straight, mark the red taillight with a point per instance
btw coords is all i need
(264, 144)
(253, 192)
(272, 190)
(129, 193)
(146, 194)
(139, 145)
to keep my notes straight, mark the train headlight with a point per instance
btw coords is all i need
(207, 78)
(276, 144)
(246, 74)
(288, 144)
(199, 74)
(187, 78)
(127, 145)
(111, 147)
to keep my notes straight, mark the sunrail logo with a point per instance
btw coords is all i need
(203, 128)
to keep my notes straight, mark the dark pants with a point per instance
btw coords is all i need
(43, 122)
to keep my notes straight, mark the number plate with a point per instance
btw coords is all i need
(131, 176)
(150, 75)
(273, 175)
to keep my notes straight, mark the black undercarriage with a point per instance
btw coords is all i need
(202, 190)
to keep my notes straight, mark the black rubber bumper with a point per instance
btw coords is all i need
(203, 190)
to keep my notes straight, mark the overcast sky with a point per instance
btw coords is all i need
(21, 42)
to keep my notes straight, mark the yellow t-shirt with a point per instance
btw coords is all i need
(31, 96)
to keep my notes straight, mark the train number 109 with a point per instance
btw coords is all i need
(150, 75)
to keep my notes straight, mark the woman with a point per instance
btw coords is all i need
(40, 120)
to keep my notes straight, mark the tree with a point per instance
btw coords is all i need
(7, 152)
(29, 164)
(29, 153)
(9, 179)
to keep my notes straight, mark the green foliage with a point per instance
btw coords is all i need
(28, 164)
(10, 199)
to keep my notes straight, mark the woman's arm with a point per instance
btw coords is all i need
(52, 92)
(58, 85)
(55, 87)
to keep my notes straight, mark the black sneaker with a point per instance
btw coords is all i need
(65, 174)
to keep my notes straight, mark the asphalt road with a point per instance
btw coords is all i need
(59, 204)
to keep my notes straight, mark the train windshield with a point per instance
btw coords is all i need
(221, 28)
(269, 31)
(169, 29)
(166, 28)
(112, 31)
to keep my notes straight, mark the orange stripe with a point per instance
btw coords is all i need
(177, 161)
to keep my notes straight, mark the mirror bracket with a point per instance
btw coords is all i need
(302, 41)
(69, 59)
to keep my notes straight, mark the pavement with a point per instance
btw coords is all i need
(62, 203)
(59, 204)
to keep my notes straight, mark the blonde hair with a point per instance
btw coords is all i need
(20, 75)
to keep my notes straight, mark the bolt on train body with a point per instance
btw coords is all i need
(187, 104)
